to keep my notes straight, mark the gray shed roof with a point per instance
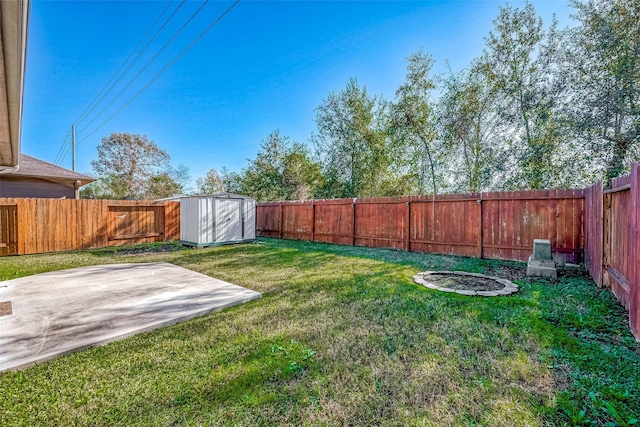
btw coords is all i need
(32, 167)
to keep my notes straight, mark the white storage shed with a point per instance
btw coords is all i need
(217, 219)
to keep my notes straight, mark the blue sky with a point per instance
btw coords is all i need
(265, 66)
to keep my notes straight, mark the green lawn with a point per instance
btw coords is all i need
(342, 336)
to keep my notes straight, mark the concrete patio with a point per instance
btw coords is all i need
(57, 313)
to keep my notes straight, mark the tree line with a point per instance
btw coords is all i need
(541, 107)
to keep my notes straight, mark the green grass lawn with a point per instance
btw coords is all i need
(342, 336)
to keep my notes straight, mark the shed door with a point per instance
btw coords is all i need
(228, 220)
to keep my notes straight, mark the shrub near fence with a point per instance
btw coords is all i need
(499, 225)
(49, 225)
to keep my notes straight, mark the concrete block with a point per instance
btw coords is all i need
(537, 270)
(541, 249)
(541, 262)
(559, 260)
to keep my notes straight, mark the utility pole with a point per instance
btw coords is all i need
(73, 148)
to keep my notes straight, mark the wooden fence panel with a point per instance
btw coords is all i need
(8, 230)
(511, 221)
(334, 223)
(51, 225)
(296, 221)
(380, 225)
(490, 225)
(172, 221)
(268, 220)
(617, 208)
(445, 226)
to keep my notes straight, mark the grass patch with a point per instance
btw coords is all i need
(342, 336)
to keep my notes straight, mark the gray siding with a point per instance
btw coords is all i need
(35, 187)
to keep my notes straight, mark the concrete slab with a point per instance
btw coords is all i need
(65, 311)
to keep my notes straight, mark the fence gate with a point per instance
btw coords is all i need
(616, 263)
(8, 230)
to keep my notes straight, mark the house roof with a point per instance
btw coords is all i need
(36, 168)
(14, 22)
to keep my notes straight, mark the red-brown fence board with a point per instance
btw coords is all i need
(593, 231)
(8, 230)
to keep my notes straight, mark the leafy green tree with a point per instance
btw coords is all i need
(352, 144)
(110, 186)
(211, 183)
(161, 186)
(517, 62)
(168, 183)
(604, 57)
(413, 125)
(470, 130)
(301, 177)
(125, 164)
(232, 182)
(282, 170)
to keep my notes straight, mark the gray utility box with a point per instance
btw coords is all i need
(217, 219)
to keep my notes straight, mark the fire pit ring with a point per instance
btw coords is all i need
(463, 283)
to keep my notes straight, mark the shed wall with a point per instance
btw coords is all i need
(200, 217)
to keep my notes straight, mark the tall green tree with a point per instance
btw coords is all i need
(351, 142)
(125, 164)
(211, 183)
(282, 170)
(605, 59)
(517, 61)
(471, 131)
(232, 182)
(301, 177)
(413, 124)
(168, 183)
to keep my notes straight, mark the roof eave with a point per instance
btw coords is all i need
(14, 24)
(83, 180)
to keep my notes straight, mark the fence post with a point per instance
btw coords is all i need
(408, 228)
(479, 201)
(353, 227)
(313, 222)
(280, 226)
(634, 252)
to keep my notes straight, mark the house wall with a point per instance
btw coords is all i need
(35, 187)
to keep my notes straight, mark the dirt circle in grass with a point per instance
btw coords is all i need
(465, 283)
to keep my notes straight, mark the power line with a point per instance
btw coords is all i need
(64, 143)
(96, 101)
(146, 65)
(162, 71)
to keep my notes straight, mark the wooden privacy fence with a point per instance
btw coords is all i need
(612, 247)
(51, 225)
(595, 225)
(498, 225)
